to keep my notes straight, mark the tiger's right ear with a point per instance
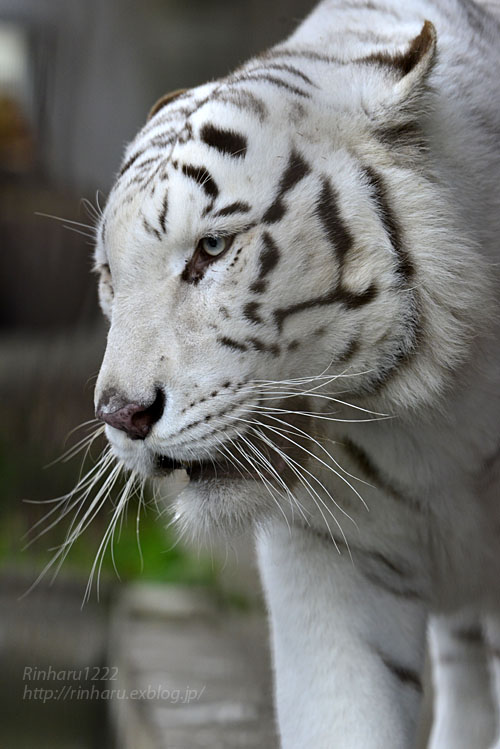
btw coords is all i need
(407, 71)
(164, 100)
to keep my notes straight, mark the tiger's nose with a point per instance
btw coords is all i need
(136, 419)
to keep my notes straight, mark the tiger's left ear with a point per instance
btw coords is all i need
(163, 101)
(408, 70)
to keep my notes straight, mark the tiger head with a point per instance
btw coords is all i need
(257, 248)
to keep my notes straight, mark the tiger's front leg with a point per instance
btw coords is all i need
(348, 641)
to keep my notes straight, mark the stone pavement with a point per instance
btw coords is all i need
(203, 672)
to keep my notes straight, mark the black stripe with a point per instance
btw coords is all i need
(275, 212)
(268, 260)
(202, 177)
(410, 594)
(260, 345)
(470, 635)
(361, 556)
(237, 207)
(226, 141)
(151, 176)
(407, 135)
(363, 461)
(244, 100)
(186, 134)
(380, 196)
(328, 212)
(373, 474)
(208, 208)
(350, 299)
(143, 164)
(286, 68)
(389, 564)
(350, 350)
(172, 113)
(249, 78)
(145, 176)
(163, 213)
(406, 348)
(394, 577)
(300, 54)
(250, 311)
(160, 141)
(295, 171)
(150, 229)
(232, 344)
(129, 162)
(326, 536)
(404, 674)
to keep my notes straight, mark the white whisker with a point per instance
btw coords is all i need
(294, 467)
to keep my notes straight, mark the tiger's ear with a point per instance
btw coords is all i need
(164, 100)
(409, 69)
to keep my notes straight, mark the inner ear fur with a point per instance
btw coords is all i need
(164, 100)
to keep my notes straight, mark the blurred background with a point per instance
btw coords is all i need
(77, 78)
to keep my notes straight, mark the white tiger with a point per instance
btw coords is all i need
(299, 265)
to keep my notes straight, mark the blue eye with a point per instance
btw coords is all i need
(214, 246)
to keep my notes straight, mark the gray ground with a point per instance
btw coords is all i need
(206, 672)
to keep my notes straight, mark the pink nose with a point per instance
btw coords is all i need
(136, 419)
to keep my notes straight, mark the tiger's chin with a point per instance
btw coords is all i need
(212, 498)
(209, 497)
(221, 506)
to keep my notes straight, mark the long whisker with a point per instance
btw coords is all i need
(62, 551)
(281, 433)
(97, 565)
(294, 467)
(286, 394)
(264, 480)
(318, 415)
(298, 430)
(304, 469)
(67, 221)
(298, 470)
(86, 485)
(261, 476)
(266, 464)
(93, 510)
(78, 447)
(92, 212)
(276, 476)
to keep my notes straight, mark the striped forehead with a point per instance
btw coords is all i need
(221, 137)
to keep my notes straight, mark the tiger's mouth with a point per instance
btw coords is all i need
(209, 470)
(271, 462)
(205, 470)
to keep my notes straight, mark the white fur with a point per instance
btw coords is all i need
(347, 595)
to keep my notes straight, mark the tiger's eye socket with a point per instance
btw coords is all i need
(214, 246)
